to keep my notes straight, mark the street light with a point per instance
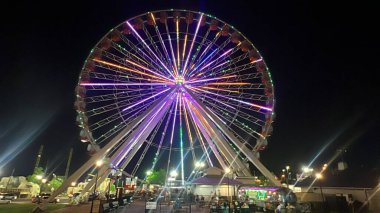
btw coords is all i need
(228, 171)
(287, 175)
(98, 164)
(319, 177)
(173, 173)
(198, 167)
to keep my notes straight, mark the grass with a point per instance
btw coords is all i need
(26, 207)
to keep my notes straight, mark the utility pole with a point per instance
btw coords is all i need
(38, 158)
(68, 163)
(9, 180)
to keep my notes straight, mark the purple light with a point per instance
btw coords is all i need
(192, 44)
(197, 130)
(171, 49)
(244, 102)
(142, 40)
(137, 136)
(209, 79)
(216, 59)
(142, 101)
(121, 84)
(203, 61)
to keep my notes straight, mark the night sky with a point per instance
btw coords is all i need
(323, 59)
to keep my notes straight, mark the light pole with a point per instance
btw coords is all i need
(199, 166)
(319, 178)
(287, 176)
(228, 171)
(98, 164)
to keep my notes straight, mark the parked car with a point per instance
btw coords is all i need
(44, 196)
(5, 201)
(8, 196)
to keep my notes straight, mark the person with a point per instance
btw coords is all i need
(245, 207)
(279, 207)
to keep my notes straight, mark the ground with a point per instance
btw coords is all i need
(26, 207)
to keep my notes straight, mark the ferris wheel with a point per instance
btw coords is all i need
(171, 88)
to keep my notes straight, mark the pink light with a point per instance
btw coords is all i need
(192, 44)
(244, 102)
(210, 79)
(171, 50)
(144, 68)
(142, 101)
(174, 118)
(216, 59)
(197, 126)
(135, 139)
(121, 84)
(142, 40)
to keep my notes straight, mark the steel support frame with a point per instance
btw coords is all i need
(207, 114)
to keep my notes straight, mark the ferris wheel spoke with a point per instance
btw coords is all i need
(114, 106)
(200, 45)
(226, 153)
(172, 135)
(146, 45)
(210, 56)
(214, 62)
(146, 99)
(120, 126)
(189, 132)
(133, 143)
(108, 65)
(185, 43)
(227, 118)
(235, 93)
(148, 145)
(157, 155)
(212, 43)
(230, 103)
(178, 54)
(130, 55)
(219, 69)
(123, 64)
(122, 94)
(122, 104)
(153, 43)
(168, 59)
(192, 44)
(234, 111)
(198, 127)
(137, 51)
(171, 49)
(233, 99)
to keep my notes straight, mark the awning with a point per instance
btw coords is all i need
(215, 180)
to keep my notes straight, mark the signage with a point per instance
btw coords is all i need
(151, 205)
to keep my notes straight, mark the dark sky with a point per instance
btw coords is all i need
(323, 59)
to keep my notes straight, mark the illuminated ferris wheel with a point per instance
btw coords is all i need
(171, 88)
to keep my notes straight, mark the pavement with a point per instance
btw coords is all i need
(136, 207)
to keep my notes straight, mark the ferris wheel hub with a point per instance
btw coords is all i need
(179, 80)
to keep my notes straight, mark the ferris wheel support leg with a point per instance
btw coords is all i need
(208, 139)
(142, 131)
(102, 152)
(222, 144)
(248, 153)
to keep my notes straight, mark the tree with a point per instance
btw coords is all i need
(157, 177)
(56, 182)
(33, 178)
